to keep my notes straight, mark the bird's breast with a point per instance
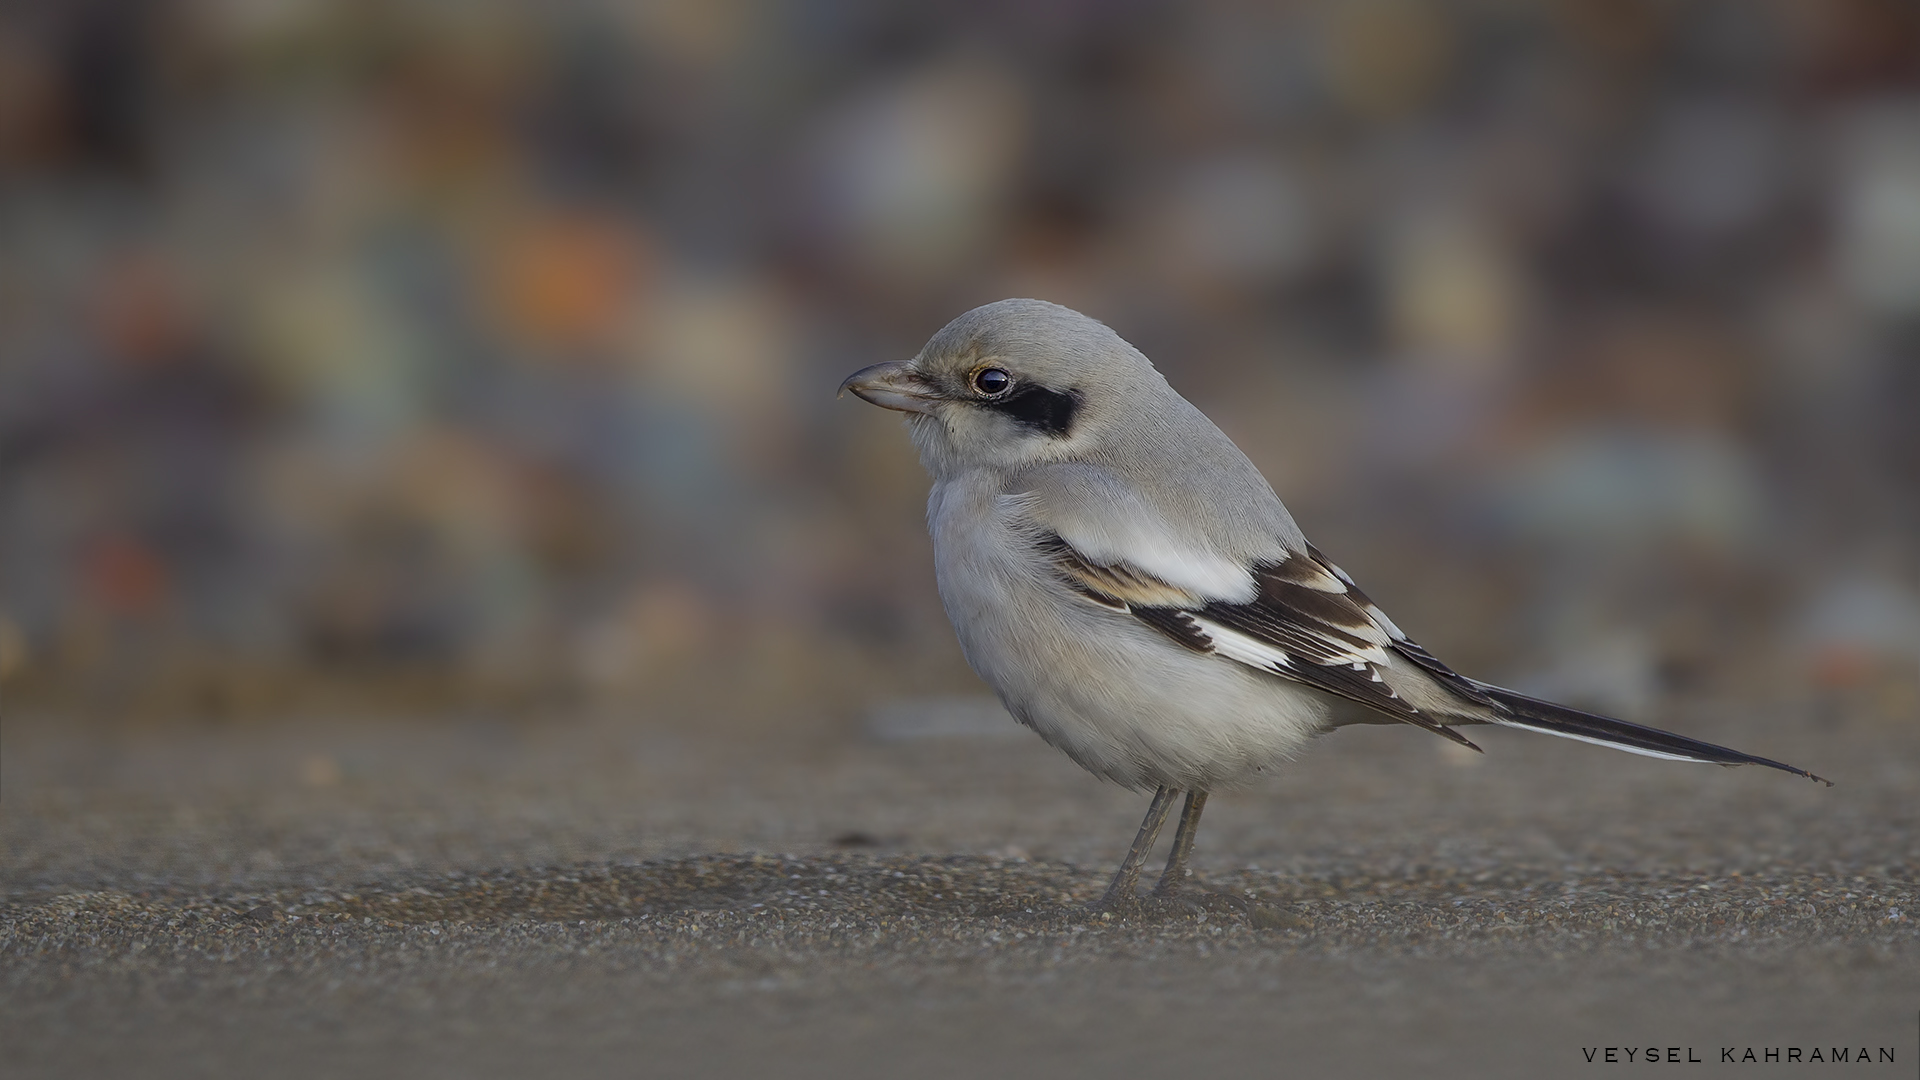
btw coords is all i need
(1111, 692)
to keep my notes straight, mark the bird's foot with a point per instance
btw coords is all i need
(1116, 904)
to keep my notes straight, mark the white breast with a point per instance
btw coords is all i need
(1116, 696)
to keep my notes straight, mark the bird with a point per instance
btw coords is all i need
(1134, 591)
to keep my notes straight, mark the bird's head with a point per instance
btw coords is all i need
(1013, 384)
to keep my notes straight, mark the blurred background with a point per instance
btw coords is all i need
(411, 356)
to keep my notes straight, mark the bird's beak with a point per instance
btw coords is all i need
(892, 385)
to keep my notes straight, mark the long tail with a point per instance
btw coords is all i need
(1536, 715)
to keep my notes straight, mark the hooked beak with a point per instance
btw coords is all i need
(892, 385)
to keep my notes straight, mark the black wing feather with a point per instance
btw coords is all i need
(1405, 645)
(1302, 609)
(1333, 637)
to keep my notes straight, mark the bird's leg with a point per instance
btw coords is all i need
(1120, 893)
(1176, 872)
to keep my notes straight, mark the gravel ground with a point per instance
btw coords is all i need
(579, 898)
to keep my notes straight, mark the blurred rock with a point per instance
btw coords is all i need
(320, 771)
(1384, 58)
(1712, 168)
(429, 349)
(1614, 674)
(910, 176)
(1878, 207)
(1858, 626)
(1247, 217)
(942, 718)
(1454, 298)
(1612, 490)
(13, 649)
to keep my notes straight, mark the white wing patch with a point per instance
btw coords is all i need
(1110, 526)
(1266, 656)
(1250, 651)
(1202, 573)
(1302, 622)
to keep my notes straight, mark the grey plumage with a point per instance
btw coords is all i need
(1133, 589)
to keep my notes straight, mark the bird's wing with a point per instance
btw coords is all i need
(1210, 583)
(1305, 621)
(1308, 622)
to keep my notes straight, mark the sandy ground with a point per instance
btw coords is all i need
(580, 897)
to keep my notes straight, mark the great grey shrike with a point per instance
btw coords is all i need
(1134, 591)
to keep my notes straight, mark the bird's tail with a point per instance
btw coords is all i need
(1533, 714)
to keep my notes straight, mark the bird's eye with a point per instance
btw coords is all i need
(991, 381)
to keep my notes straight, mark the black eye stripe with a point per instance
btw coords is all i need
(1048, 411)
